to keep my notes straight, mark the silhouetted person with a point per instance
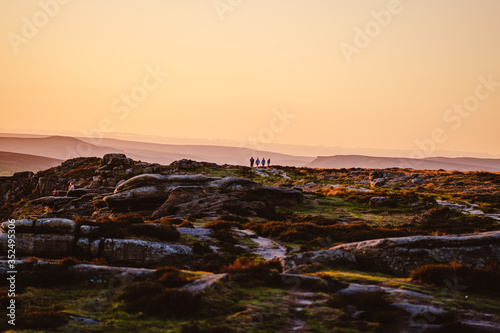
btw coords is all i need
(268, 162)
(257, 162)
(70, 188)
(263, 162)
(55, 192)
(251, 162)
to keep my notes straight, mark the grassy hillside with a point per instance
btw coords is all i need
(15, 162)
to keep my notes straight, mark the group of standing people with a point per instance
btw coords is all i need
(258, 162)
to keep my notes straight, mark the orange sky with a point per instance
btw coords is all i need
(414, 75)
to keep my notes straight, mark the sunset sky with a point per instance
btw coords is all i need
(420, 76)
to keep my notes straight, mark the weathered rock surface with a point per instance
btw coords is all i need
(378, 182)
(139, 252)
(198, 195)
(415, 309)
(48, 245)
(399, 256)
(206, 281)
(327, 257)
(378, 201)
(86, 272)
(58, 238)
(355, 288)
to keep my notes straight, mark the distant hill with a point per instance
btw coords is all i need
(62, 147)
(58, 147)
(430, 163)
(14, 162)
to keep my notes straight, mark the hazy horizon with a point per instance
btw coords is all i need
(401, 77)
(297, 150)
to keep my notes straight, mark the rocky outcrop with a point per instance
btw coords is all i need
(378, 182)
(134, 252)
(58, 238)
(378, 201)
(186, 164)
(198, 195)
(85, 272)
(68, 207)
(16, 187)
(399, 256)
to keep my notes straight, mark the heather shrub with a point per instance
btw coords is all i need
(46, 276)
(83, 221)
(41, 320)
(154, 299)
(104, 220)
(128, 219)
(186, 224)
(206, 328)
(219, 225)
(304, 232)
(447, 221)
(375, 305)
(250, 272)
(473, 279)
(164, 232)
(69, 261)
(171, 220)
(171, 277)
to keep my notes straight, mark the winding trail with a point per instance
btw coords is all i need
(266, 248)
(469, 209)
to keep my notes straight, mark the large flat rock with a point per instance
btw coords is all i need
(400, 256)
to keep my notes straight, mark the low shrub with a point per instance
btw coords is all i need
(186, 224)
(210, 262)
(69, 261)
(474, 279)
(46, 276)
(206, 328)
(305, 232)
(164, 232)
(83, 221)
(38, 320)
(200, 248)
(171, 277)
(219, 225)
(375, 305)
(154, 299)
(104, 220)
(448, 221)
(111, 230)
(128, 219)
(171, 220)
(250, 272)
